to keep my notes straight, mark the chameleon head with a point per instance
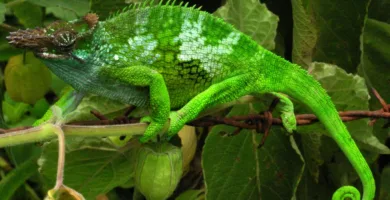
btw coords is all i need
(57, 40)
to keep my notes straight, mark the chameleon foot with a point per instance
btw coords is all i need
(287, 112)
(176, 124)
(146, 119)
(152, 130)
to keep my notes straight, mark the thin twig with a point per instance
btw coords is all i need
(129, 110)
(381, 100)
(98, 115)
(267, 123)
(384, 106)
(8, 27)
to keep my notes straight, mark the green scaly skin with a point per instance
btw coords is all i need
(177, 58)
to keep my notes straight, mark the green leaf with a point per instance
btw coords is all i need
(2, 93)
(2, 12)
(384, 190)
(28, 14)
(375, 60)
(310, 189)
(39, 108)
(339, 26)
(79, 7)
(92, 166)
(17, 177)
(13, 111)
(104, 8)
(235, 169)
(304, 34)
(191, 195)
(251, 18)
(21, 153)
(375, 57)
(61, 13)
(378, 10)
(230, 169)
(348, 92)
(311, 144)
(57, 85)
(103, 105)
(25, 121)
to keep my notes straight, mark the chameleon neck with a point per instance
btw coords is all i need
(295, 82)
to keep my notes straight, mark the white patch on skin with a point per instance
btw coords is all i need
(193, 45)
(142, 45)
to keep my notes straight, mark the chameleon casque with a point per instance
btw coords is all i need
(167, 57)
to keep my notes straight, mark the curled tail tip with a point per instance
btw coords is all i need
(346, 192)
(350, 192)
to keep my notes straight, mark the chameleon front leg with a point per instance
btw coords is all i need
(67, 103)
(219, 93)
(143, 76)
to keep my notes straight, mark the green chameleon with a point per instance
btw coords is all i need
(168, 57)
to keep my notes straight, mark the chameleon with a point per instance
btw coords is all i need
(177, 61)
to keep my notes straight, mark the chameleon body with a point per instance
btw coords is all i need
(167, 57)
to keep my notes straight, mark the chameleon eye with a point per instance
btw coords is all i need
(65, 38)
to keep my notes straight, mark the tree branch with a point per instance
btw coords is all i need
(132, 127)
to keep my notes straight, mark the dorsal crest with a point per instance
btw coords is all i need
(151, 3)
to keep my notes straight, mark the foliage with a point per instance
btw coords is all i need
(345, 45)
(35, 76)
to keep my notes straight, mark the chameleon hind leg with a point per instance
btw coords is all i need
(229, 90)
(159, 99)
(222, 92)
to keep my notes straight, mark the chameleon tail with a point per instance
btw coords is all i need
(296, 83)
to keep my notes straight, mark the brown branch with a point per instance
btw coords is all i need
(302, 119)
(381, 100)
(264, 126)
(241, 122)
(384, 109)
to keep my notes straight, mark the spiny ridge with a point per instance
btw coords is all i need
(150, 3)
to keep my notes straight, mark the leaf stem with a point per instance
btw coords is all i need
(61, 158)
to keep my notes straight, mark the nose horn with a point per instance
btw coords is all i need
(27, 39)
(9, 38)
